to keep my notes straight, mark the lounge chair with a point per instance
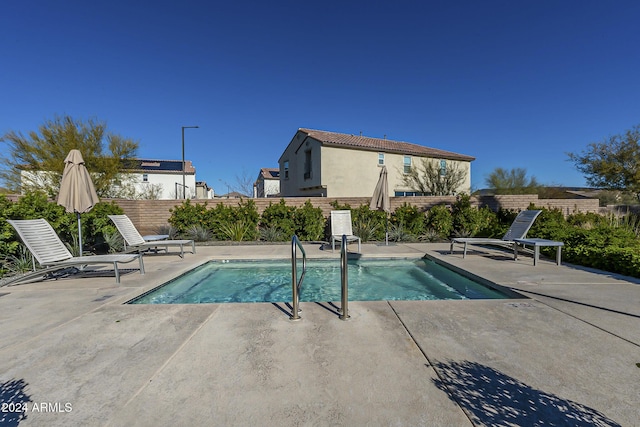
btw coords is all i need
(47, 248)
(341, 224)
(518, 230)
(135, 242)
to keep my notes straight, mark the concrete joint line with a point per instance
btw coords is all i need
(452, 396)
(164, 365)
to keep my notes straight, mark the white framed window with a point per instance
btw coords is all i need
(407, 164)
(443, 167)
(380, 159)
(145, 177)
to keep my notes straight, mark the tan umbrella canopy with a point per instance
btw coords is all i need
(77, 193)
(380, 199)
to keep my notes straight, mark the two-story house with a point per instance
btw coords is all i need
(146, 179)
(330, 164)
(268, 183)
(162, 179)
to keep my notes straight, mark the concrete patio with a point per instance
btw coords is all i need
(72, 354)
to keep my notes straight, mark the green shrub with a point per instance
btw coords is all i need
(471, 221)
(8, 239)
(430, 235)
(440, 220)
(371, 223)
(214, 218)
(114, 242)
(248, 213)
(279, 217)
(96, 224)
(398, 233)
(22, 261)
(168, 230)
(236, 231)
(217, 220)
(629, 221)
(198, 233)
(309, 222)
(271, 234)
(35, 205)
(241, 220)
(367, 229)
(585, 220)
(410, 217)
(336, 206)
(186, 215)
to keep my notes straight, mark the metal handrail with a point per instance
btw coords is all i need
(344, 279)
(295, 283)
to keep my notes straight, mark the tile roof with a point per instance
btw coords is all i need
(383, 145)
(270, 173)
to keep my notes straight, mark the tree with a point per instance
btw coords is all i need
(613, 163)
(40, 155)
(431, 178)
(513, 181)
(244, 183)
(150, 192)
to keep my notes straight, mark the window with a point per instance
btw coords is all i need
(410, 193)
(443, 167)
(286, 169)
(381, 159)
(407, 164)
(145, 177)
(307, 164)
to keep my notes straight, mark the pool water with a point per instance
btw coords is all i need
(270, 281)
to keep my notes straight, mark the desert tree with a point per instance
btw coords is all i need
(36, 160)
(511, 181)
(434, 178)
(613, 163)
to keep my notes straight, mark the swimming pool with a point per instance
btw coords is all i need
(270, 281)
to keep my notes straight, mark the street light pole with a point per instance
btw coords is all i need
(184, 181)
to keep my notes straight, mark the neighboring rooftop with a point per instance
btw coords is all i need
(381, 144)
(270, 173)
(161, 166)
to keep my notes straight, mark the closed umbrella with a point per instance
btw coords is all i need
(77, 193)
(380, 200)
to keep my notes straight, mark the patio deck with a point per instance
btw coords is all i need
(568, 355)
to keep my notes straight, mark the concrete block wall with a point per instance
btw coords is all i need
(569, 206)
(519, 202)
(149, 215)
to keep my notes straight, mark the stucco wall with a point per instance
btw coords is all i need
(342, 172)
(171, 183)
(346, 171)
(349, 173)
(296, 185)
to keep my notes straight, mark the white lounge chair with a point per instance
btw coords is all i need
(341, 224)
(135, 242)
(47, 248)
(518, 230)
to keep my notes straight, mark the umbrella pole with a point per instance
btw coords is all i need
(386, 229)
(79, 232)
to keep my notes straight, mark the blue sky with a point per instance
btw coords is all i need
(512, 83)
